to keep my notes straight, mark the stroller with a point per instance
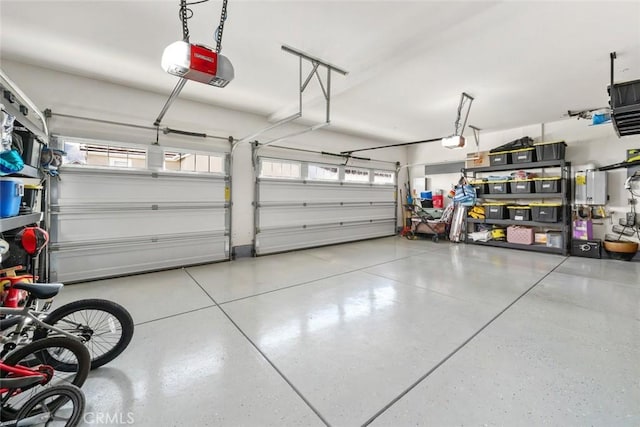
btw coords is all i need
(426, 221)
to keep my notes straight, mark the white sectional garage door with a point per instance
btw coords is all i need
(108, 222)
(294, 213)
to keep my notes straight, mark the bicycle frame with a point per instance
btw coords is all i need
(21, 371)
(27, 317)
(11, 307)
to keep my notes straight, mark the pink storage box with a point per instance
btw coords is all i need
(520, 235)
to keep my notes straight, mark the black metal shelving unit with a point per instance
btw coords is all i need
(564, 225)
(31, 155)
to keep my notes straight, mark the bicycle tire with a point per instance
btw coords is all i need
(77, 371)
(67, 393)
(116, 310)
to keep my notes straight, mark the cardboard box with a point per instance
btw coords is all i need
(477, 160)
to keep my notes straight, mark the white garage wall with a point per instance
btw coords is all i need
(586, 144)
(70, 94)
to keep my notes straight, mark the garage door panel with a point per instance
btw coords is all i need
(285, 216)
(271, 241)
(93, 226)
(113, 186)
(76, 263)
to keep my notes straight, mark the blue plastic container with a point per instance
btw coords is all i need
(11, 192)
(426, 195)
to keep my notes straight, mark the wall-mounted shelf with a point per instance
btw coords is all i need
(19, 221)
(24, 120)
(516, 196)
(28, 172)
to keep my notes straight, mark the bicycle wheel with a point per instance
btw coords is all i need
(68, 358)
(64, 405)
(104, 326)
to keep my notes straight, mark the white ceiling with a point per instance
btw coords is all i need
(408, 62)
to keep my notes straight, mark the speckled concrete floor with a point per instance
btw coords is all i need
(384, 332)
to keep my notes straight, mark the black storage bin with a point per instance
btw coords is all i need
(427, 203)
(30, 148)
(548, 185)
(498, 187)
(545, 212)
(519, 213)
(501, 158)
(495, 211)
(481, 187)
(586, 248)
(31, 194)
(525, 155)
(625, 104)
(522, 186)
(550, 150)
(517, 144)
(625, 94)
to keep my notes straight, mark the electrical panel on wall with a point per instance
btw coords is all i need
(591, 188)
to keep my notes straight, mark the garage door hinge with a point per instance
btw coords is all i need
(154, 207)
(154, 174)
(154, 240)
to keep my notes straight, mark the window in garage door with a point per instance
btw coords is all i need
(182, 161)
(356, 175)
(275, 168)
(104, 154)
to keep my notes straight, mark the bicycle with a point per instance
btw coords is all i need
(37, 411)
(94, 322)
(34, 365)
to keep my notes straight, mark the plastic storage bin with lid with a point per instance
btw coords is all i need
(11, 192)
(519, 213)
(549, 184)
(546, 212)
(522, 186)
(500, 158)
(499, 187)
(496, 210)
(523, 155)
(550, 150)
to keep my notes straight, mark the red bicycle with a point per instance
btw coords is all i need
(24, 372)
